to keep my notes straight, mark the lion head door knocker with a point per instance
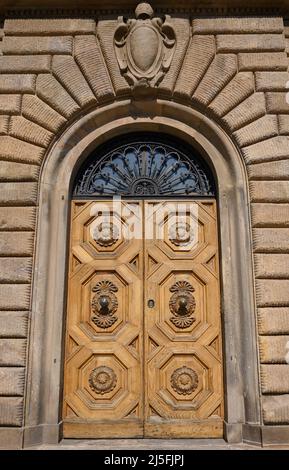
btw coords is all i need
(144, 48)
(105, 234)
(181, 234)
(104, 304)
(182, 304)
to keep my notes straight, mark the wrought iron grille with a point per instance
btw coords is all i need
(144, 166)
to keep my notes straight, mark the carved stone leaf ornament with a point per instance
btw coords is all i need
(182, 304)
(144, 48)
(104, 304)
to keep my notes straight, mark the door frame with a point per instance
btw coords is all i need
(45, 367)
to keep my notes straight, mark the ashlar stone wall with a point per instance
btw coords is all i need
(234, 70)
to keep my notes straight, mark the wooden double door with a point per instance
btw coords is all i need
(143, 351)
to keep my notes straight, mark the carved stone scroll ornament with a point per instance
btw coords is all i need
(144, 48)
(184, 380)
(102, 380)
(182, 304)
(104, 304)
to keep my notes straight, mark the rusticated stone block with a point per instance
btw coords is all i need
(277, 103)
(25, 64)
(67, 72)
(287, 46)
(278, 170)
(11, 409)
(12, 381)
(17, 218)
(10, 104)
(13, 324)
(272, 293)
(12, 352)
(275, 378)
(19, 151)
(272, 266)
(250, 43)
(263, 61)
(271, 81)
(16, 194)
(16, 244)
(4, 123)
(14, 296)
(252, 108)
(237, 90)
(13, 83)
(29, 131)
(91, 62)
(276, 409)
(273, 349)
(269, 191)
(271, 240)
(16, 270)
(36, 110)
(220, 72)
(37, 45)
(283, 124)
(193, 68)
(270, 215)
(238, 25)
(273, 321)
(271, 149)
(262, 128)
(52, 92)
(48, 27)
(11, 171)
(105, 32)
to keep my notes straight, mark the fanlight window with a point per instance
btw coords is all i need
(144, 166)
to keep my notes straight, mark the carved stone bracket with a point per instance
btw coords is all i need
(104, 304)
(182, 304)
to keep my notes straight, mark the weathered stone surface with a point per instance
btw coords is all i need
(17, 218)
(37, 45)
(250, 42)
(272, 293)
(276, 148)
(276, 409)
(105, 32)
(10, 104)
(273, 349)
(237, 90)
(15, 194)
(13, 83)
(272, 266)
(90, 60)
(277, 103)
(271, 240)
(12, 381)
(11, 409)
(270, 215)
(16, 270)
(269, 191)
(271, 81)
(19, 151)
(29, 131)
(262, 128)
(11, 171)
(283, 124)
(36, 110)
(220, 72)
(263, 61)
(14, 296)
(25, 64)
(53, 93)
(68, 73)
(252, 108)
(12, 352)
(4, 123)
(47, 27)
(275, 378)
(238, 25)
(194, 69)
(278, 170)
(13, 324)
(16, 244)
(273, 321)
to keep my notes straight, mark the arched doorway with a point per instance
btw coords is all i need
(143, 343)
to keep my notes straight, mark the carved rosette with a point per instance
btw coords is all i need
(104, 304)
(184, 380)
(106, 234)
(181, 234)
(144, 48)
(102, 380)
(182, 304)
